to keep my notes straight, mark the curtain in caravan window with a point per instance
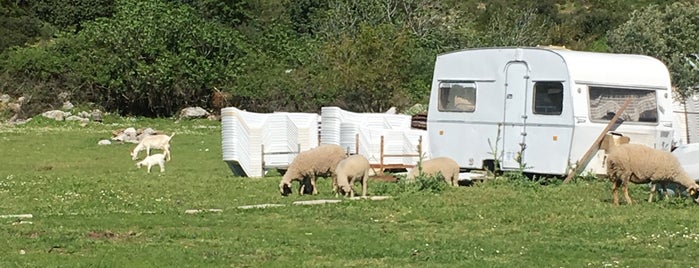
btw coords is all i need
(457, 96)
(605, 101)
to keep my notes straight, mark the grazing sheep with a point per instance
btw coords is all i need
(319, 161)
(641, 164)
(444, 165)
(350, 169)
(160, 141)
(152, 160)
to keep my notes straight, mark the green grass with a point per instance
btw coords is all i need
(93, 208)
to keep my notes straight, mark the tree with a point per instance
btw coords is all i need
(668, 33)
(71, 14)
(153, 58)
(369, 68)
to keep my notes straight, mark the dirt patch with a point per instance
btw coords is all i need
(109, 235)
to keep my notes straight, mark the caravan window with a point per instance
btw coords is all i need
(548, 98)
(457, 96)
(606, 101)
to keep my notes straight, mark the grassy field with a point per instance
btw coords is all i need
(92, 207)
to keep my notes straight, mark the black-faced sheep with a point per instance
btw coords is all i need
(349, 170)
(641, 164)
(308, 165)
(444, 165)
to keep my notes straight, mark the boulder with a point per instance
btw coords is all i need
(96, 115)
(57, 115)
(67, 105)
(125, 135)
(74, 118)
(104, 142)
(193, 112)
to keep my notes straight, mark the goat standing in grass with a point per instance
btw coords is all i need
(159, 141)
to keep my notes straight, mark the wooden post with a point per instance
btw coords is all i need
(356, 143)
(582, 163)
(262, 156)
(381, 156)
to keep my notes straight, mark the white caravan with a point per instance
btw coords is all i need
(540, 109)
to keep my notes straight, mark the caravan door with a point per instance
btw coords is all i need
(514, 125)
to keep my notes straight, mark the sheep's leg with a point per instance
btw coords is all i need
(313, 184)
(615, 191)
(302, 185)
(625, 185)
(364, 181)
(351, 185)
(162, 167)
(149, 166)
(652, 191)
(335, 187)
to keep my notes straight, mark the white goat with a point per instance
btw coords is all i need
(160, 141)
(152, 160)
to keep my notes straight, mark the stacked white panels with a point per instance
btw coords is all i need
(244, 134)
(342, 127)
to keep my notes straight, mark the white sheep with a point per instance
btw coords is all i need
(353, 168)
(444, 165)
(152, 160)
(641, 164)
(160, 141)
(308, 165)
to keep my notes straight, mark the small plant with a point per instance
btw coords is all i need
(495, 153)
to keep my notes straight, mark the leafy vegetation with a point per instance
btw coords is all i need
(151, 58)
(92, 207)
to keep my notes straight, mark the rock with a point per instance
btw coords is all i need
(5, 98)
(57, 115)
(67, 105)
(96, 115)
(214, 117)
(74, 118)
(126, 135)
(193, 112)
(63, 96)
(84, 114)
(104, 142)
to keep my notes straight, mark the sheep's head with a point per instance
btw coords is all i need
(133, 154)
(694, 193)
(345, 190)
(139, 164)
(285, 188)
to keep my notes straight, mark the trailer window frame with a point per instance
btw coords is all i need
(457, 96)
(548, 97)
(604, 101)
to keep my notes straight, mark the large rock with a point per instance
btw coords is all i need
(67, 105)
(57, 115)
(96, 115)
(104, 142)
(193, 112)
(126, 135)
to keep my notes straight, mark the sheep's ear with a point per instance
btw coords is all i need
(692, 191)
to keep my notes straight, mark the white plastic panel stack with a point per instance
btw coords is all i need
(244, 134)
(341, 127)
